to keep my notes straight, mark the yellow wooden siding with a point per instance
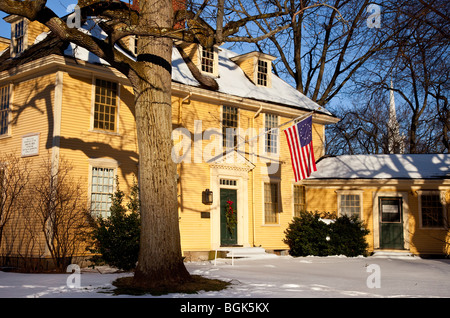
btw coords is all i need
(248, 66)
(34, 29)
(195, 177)
(31, 108)
(4, 43)
(428, 240)
(30, 102)
(79, 142)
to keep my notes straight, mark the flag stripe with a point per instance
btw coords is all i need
(302, 156)
(286, 132)
(298, 147)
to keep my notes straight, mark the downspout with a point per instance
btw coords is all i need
(180, 106)
(253, 180)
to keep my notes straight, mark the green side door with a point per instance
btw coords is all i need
(391, 223)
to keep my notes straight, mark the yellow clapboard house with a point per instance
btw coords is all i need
(60, 101)
(403, 199)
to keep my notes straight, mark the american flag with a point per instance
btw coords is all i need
(299, 138)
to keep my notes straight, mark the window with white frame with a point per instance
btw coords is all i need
(271, 124)
(431, 209)
(102, 189)
(262, 73)
(105, 107)
(18, 37)
(4, 110)
(207, 60)
(229, 126)
(350, 204)
(271, 203)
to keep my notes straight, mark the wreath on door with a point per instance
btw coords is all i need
(231, 217)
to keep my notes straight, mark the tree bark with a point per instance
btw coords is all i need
(160, 261)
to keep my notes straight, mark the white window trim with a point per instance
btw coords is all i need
(100, 163)
(275, 154)
(269, 72)
(237, 128)
(8, 133)
(278, 182)
(215, 72)
(350, 192)
(117, 125)
(13, 38)
(441, 194)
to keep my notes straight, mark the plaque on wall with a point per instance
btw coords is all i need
(30, 145)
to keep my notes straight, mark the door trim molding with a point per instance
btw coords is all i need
(241, 176)
(376, 216)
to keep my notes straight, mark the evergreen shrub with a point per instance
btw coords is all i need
(309, 235)
(116, 238)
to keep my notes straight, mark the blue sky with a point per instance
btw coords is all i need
(59, 6)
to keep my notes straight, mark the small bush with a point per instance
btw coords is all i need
(117, 236)
(308, 235)
(347, 236)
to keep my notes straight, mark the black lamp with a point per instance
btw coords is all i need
(207, 197)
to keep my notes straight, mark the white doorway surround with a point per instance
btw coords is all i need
(230, 176)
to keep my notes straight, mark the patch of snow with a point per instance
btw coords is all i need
(410, 166)
(278, 277)
(40, 37)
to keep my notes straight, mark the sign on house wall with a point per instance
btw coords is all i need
(30, 145)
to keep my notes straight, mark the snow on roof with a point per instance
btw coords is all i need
(411, 166)
(231, 79)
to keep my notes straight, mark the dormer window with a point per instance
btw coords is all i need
(19, 37)
(262, 74)
(257, 66)
(207, 62)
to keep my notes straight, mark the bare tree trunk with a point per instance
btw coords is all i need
(160, 261)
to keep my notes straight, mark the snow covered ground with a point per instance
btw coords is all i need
(269, 277)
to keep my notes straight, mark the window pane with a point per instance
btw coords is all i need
(229, 126)
(350, 204)
(272, 135)
(101, 190)
(432, 210)
(271, 203)
(262, 73)
(105, 105)
(208, 60)
(4, 109)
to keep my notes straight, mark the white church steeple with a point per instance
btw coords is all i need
(396, 142)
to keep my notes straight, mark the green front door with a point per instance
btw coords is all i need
(391, 223)
(228, 234)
